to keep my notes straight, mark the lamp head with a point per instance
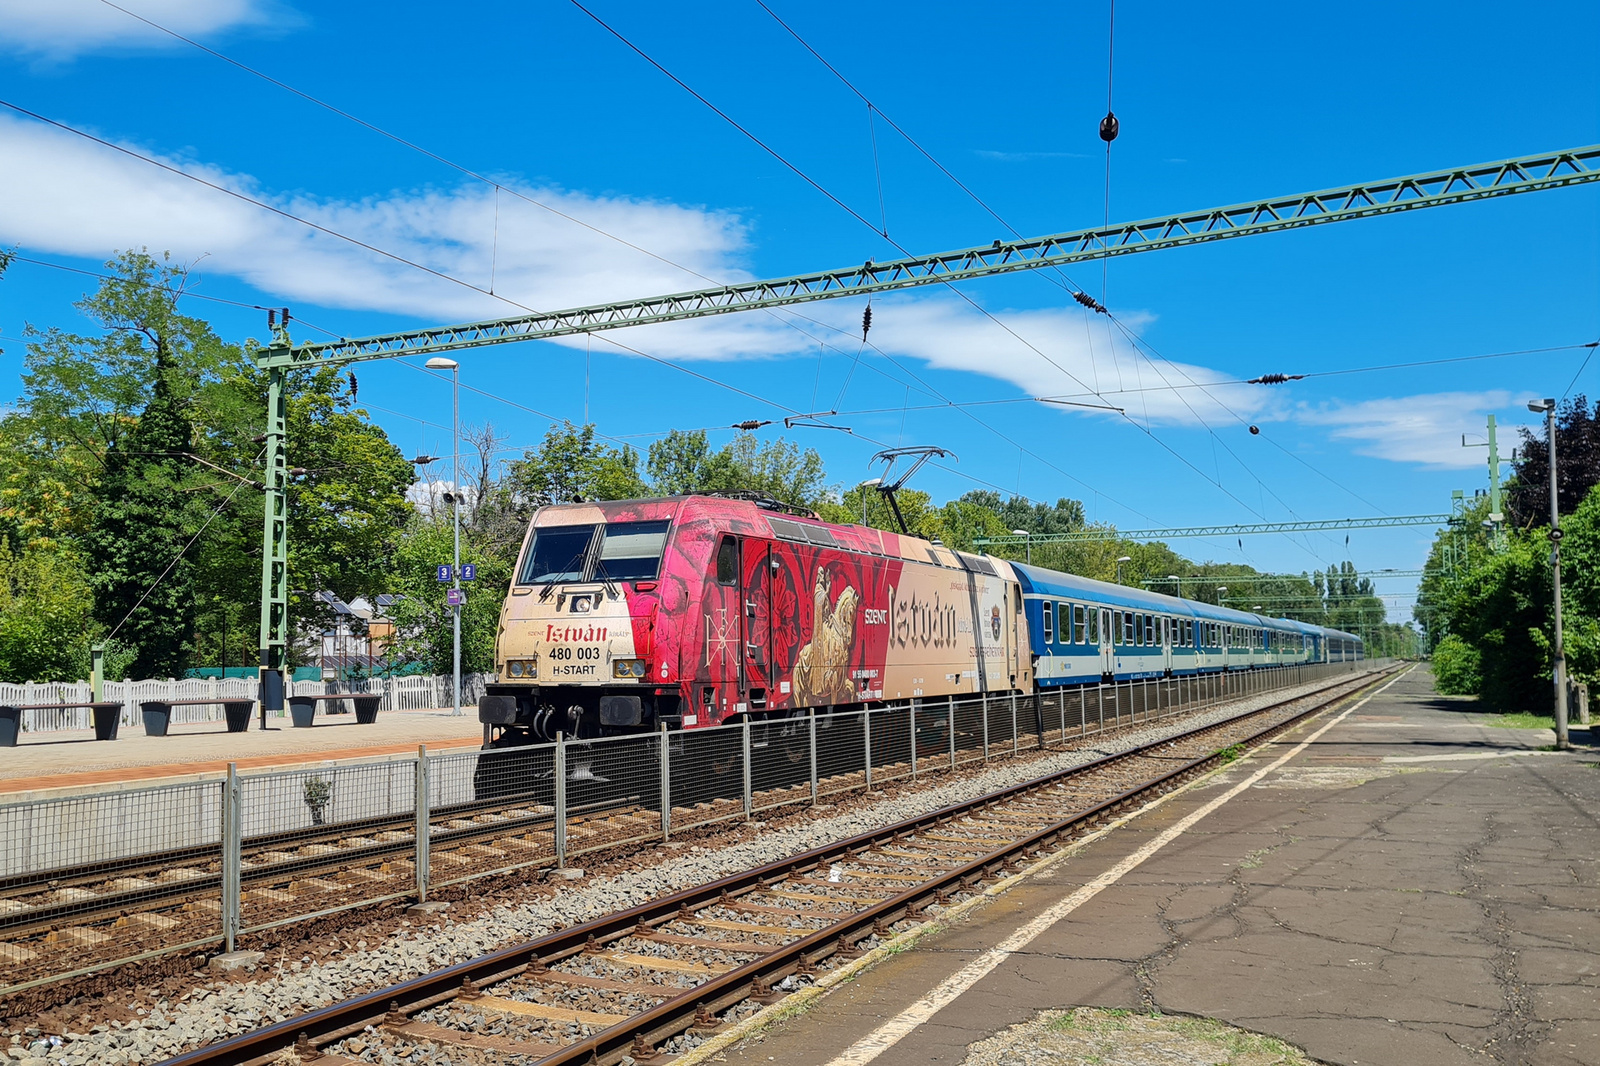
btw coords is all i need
(1020, 533)
(439, 362)
(1124, 558)
(1540, 406)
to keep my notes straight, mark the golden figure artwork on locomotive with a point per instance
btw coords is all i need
(822, 669)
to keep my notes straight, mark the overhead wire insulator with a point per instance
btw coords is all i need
(866, 321)
(1090, 302)
(1275, 379)
(352, 384)
(1109, 127)
(750, 424)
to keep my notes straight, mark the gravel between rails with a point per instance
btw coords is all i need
(215, 1009)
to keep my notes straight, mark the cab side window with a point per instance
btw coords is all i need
(728, 561)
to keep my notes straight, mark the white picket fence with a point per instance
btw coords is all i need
(416, 693)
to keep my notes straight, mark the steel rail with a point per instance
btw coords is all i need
(676, 1014)
(43, 918)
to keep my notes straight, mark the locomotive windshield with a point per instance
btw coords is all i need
(627, 551)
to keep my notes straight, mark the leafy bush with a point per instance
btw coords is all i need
(1457, 667)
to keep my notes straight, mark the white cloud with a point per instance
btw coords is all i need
(60, 29)
(64, 194)
(1423, 429)
(1083, 360)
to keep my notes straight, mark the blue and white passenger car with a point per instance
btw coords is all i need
(1085, 631)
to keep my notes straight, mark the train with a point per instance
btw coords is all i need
(694, 611)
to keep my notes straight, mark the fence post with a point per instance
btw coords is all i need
(422, 830)
(985, 727)
(744, 739)
(1061, 706)
(561, 800)
(1100, 698)
(232, 832)
(952, 713)
(666, 786)
(811, 725)
(913, 717)
(866, 743)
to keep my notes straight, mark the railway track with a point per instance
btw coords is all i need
(654, 980)
(152, 885)
(87, 917)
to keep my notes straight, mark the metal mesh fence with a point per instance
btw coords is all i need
(110, 874)
(707, 775)
(613, 792)
(91, 880)
(488, 811)
(891, 744)
(933, 732)
(970, 730)
(841, 752)
(780, 763)
(316, 840)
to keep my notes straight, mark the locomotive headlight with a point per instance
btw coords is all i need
(521, 668)
(627, 668)
(514, 668)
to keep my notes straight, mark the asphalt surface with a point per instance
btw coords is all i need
(1414, 887)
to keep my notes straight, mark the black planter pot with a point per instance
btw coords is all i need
(10, 726)
(302, 713)
(107, 717)
(157, 716)
(238, 714)
(366, 708)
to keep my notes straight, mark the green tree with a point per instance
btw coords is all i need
(1457, 667)
(421, 616)
(45, 614)
(683, 462)
(68, 450)
(82, 393)
(571, 466)
(1527, 500)
(141, 572)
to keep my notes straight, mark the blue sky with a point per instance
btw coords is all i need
(1217, 105)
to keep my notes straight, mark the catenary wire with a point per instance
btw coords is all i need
(1122, 326)
(460, 168)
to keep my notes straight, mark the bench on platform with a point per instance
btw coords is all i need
(158, 713)
(107, 715)
(303, 709)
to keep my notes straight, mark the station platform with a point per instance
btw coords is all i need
(66, 763)
(1412, 886)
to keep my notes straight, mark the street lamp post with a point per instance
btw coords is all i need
(1548, 408)
(1027, 538)
(441, 363)
(1120, 560)
(1177, 583)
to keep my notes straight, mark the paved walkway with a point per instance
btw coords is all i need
(78, 762)
(1413, 888)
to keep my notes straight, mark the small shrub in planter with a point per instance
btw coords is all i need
(318, 793)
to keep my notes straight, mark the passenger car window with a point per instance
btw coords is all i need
(1049, 628)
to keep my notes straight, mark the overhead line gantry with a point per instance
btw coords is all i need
(1530, 173)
